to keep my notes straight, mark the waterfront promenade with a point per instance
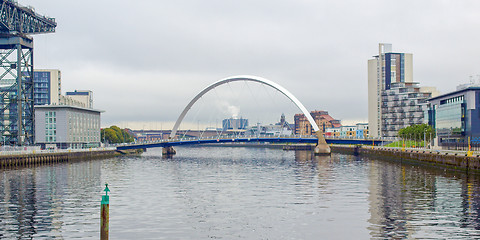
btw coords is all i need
(31, 156)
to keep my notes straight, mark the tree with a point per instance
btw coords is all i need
(114, 134)
(417, 132)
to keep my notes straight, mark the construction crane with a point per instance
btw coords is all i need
(16, 70)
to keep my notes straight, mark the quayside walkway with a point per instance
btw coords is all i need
(458, 160)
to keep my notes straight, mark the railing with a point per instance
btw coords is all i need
(20, 151)
(187, 139)
(234, 137)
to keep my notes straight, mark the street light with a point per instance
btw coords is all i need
(424, 138)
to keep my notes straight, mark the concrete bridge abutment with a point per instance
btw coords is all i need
(322, 147)
(168, 151)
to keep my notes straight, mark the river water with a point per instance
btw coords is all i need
(239, 193)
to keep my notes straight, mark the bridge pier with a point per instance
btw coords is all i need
(322, 147)
(168, 151)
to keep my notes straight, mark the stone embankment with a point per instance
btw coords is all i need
(38, 158)
(453, 160)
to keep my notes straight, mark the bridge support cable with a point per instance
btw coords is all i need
(219, 134)
(323, 147)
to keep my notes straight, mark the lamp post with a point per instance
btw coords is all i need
(424, 138)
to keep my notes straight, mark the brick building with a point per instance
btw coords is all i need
(321, 118)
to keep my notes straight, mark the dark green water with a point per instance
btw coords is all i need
(239, 193)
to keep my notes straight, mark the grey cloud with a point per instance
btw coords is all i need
(161, 53)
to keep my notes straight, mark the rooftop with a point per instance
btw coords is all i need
(455, 92)
(68, 106)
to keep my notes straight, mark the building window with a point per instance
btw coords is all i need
(50, 123)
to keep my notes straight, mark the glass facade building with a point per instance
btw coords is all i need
(41, 88)
(46, 86)
(234, 124)
(456, 116)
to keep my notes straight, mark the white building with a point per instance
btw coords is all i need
(386, 68)
(58, 126)
(84, 96)
(394, 100)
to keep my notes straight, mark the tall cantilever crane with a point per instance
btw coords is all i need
(16, 70)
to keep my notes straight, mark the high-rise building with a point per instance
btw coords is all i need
(385, 68)
(47, 86)
(394, 100)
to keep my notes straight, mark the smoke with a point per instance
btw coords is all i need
(229, 109)
(234, 111)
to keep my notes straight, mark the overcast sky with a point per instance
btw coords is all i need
(145, 60)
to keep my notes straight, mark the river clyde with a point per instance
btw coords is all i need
(239, 193)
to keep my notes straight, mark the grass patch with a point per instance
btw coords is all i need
(408, 144)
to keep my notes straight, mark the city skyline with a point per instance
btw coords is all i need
(316, 50)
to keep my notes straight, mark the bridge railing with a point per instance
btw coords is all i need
(232, 136)
(186, 139)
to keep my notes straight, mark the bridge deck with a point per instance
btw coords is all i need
(194, 141)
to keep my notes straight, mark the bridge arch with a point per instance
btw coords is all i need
(251, 79)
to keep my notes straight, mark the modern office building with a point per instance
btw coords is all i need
(48, 90)
(321, 118)
(83, 96)
(59, 126)
(394, 100)
(456, 116)
(47, 86)
(234, 124)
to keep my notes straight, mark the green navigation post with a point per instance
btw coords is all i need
(104, 215)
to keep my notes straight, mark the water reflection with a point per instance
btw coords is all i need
(240, 193)
(414, 202)
(47, 201)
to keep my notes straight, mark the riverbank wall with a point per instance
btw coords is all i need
(30, 159)
(457, 161)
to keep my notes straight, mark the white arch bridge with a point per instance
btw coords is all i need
(321, 145)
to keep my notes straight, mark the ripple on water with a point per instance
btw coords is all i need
(239, 193)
